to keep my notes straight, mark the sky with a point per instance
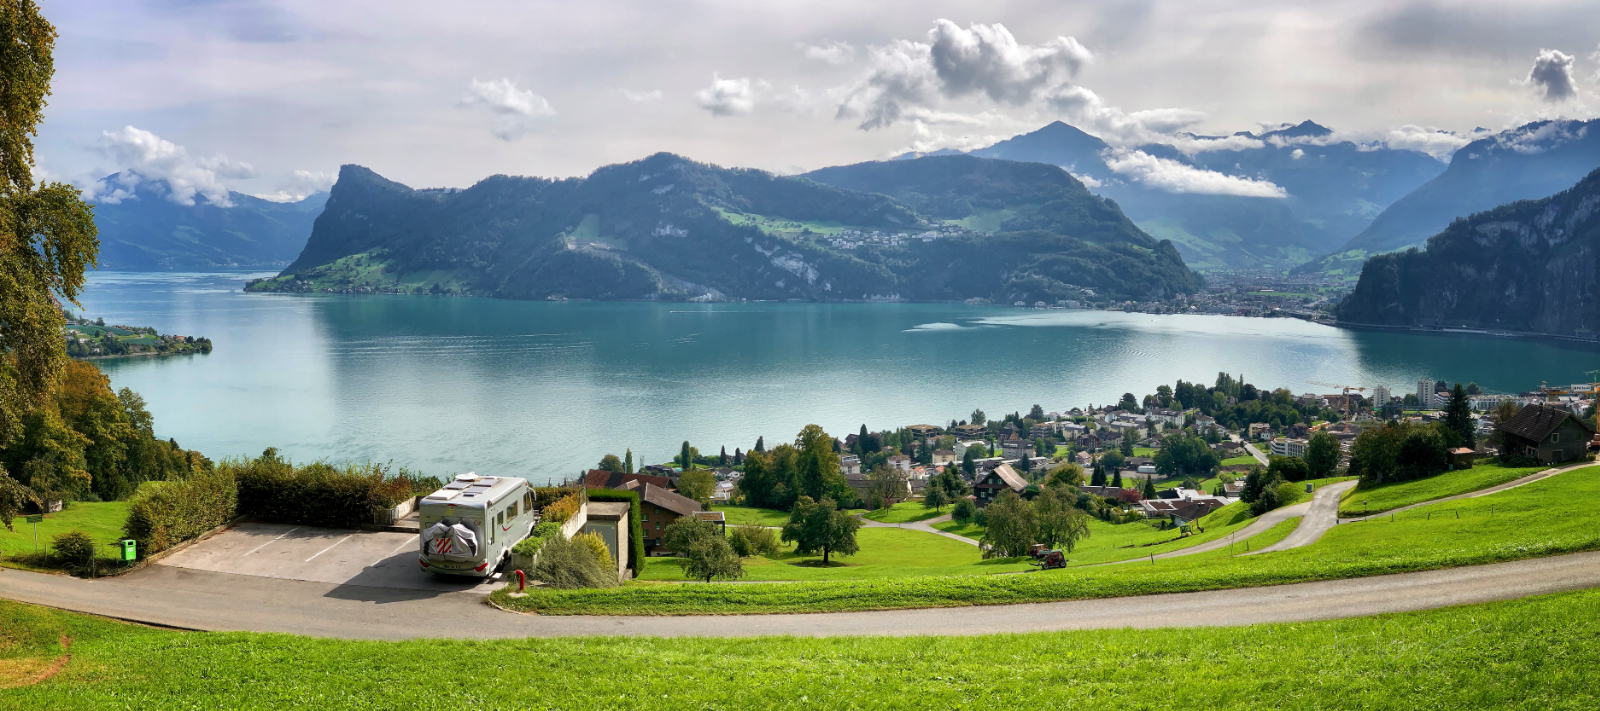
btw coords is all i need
(270, 98)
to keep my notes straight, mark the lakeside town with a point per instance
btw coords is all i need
(96, 339)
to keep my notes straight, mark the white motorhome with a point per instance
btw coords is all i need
(469, 526)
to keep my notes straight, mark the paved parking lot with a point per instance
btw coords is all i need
(368, 558)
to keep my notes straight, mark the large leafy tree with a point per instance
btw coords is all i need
(818, 526)
(47, 235)
(698, 484)
(706, 552)
(817, 472)
(1322, 455)
(1058, 521)
(1011, 526)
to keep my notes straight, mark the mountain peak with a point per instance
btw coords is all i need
(1305, 129)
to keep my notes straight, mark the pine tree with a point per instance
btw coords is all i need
(1097, 477)
(1116, 479)
(686, 456)
(722, 459)
(1149, 488)
(1458, 416)
(738, 457)
(760, 445)
(627, 462)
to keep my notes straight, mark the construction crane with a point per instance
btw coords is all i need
(1347, 389)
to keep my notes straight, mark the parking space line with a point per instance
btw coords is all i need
(396, 550)
(329, 548)
(268, 543)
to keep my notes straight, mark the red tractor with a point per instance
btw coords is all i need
(1046, 559)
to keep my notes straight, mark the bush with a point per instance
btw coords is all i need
(163, 514)
(598, 547)
(318, 494)
(545, 495)
(543, 532)
(964, 511)
(74, 547)
(753, 540)
(566, 564)
(561, 510)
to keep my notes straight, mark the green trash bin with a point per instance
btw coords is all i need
(130, 548)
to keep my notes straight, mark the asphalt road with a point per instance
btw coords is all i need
(1322, 515)
(207, 600)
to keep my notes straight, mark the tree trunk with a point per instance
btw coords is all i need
(824, 557)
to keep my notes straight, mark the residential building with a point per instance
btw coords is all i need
(1381, 396)
(1260, 431)
(944, 456)
(991, 483)
(1014, 448)
(1286, 447)
(900, 462)
(969, 432)
(1071, 430)
(850, 464)
(603, 479)
(658, 508)
(923, 432)
(1547, 433)
(1424, 393)
(1169, 418)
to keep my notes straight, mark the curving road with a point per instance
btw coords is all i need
(204, 600)
(1514, 483)
(1322, 515)
(925, 525)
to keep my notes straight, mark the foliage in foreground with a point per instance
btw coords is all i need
(1544, 653)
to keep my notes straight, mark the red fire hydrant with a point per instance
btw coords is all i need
(522, 580)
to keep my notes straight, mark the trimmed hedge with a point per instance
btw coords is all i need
(635, 525)
(317, 494)
(164, 514)
(529, 546)
(545, 495)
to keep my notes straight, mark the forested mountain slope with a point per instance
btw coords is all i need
(1530, 266)
(668, 227)
(147, 231)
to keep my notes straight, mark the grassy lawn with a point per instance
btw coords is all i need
(101, 520)
(1144, 452)
(1245, 460)
(905, 512)
(743, 515)
(1205, 484)
(885, 553)
(1535, 653)
(1384, 497)
(1549, 517)
(969, 530)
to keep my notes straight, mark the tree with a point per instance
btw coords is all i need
(1127, 444)
(934, 498)
(1036, 413)
(1473, 389)
(1288, 468)
(706, 551)
(978, 418)
(818, 526)
(1458, 417)
(969, 462)
(886, 482)
(686, 456)
(949, 483)
(698, 484)
(964, 510)
(722, 459)
(47, 233)
(761, 445)
(1098, 476)
(1116, 479)
(627, 462)
(1149, 488)
(1502, 413)
(1068, 474)
(757, 484)
(817, 472)
(1322, 455)
(1011, 526)
(610, 463)
(1059, 523)
(751, 540)
(1129, 403)
(14, 497)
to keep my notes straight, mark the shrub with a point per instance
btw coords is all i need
(753, 540)
(598, 547)
(566, 564)
(964, 511)
(543, 532)
(318, 494)
(561, 510)
(163, 514)
(74, 547)
(545, 495)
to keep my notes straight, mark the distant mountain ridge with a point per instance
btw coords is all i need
(146, 231)
(1529, 266)
(1532, 161)
(1334, 191)
(668, 227)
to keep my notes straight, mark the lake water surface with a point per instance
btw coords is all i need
(543, 389)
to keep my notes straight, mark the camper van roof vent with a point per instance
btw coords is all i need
(456, 485)
(442, 495)
(469, 476)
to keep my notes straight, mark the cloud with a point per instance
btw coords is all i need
(142, 157)
(956, 63)
(300, 185)
(1083, 108)
(639, 97)
(1595, 57)
(830, 51)
(1552, 74)
(1174, 177)
(516, 112)
(1439, 143)
(727, 97)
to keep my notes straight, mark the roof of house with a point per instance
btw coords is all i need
(1010, 477)
(712, 516)
(603, 479)
(1536, 422)
(671, 501)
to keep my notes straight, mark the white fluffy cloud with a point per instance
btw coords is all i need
(301, 184)
(727, 97)
(1175, 177)
(830, 51)
(516, 112)
(1552, 75)
(1435, 142)
(141, 157)
(955, 63)
(1083, 108)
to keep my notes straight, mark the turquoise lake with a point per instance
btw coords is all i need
(543, 389)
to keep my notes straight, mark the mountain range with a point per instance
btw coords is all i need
(1528, 266)
(1331, 189)
(1526, 163)
(146, 231)
(669, 227)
